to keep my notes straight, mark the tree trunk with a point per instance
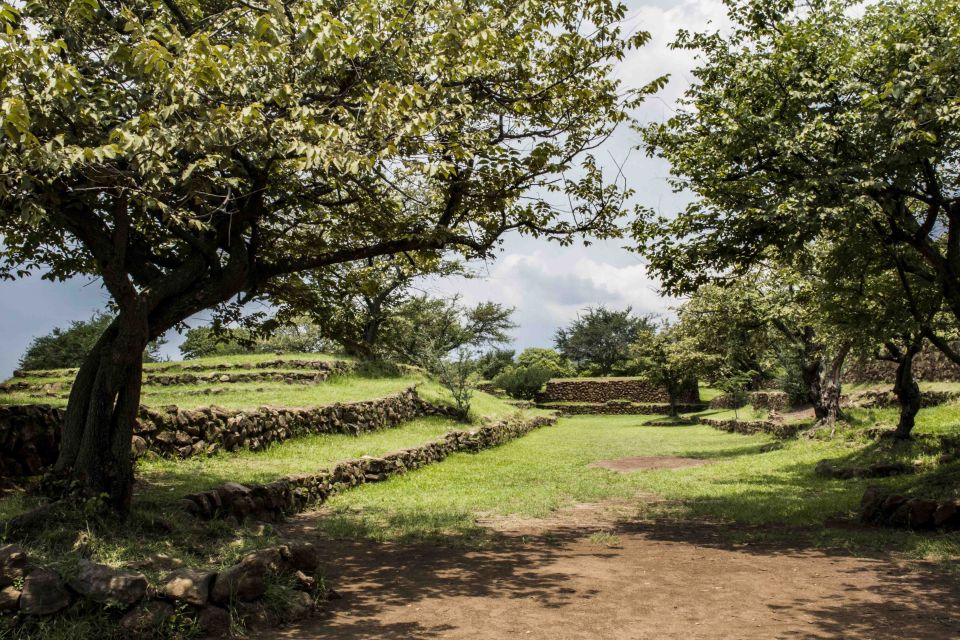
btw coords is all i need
(94, 457)
(907, 391)
(830, 398)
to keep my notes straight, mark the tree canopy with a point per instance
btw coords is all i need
(599, 340)
(187, 153)
(67, 347)
(827, 120)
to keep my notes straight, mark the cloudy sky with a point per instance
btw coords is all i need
(545, 283)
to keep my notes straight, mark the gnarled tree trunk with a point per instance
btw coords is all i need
(906, 388)
(94, 454)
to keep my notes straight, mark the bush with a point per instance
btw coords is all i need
(523, 382)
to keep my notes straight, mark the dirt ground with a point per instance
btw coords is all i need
(588, 572)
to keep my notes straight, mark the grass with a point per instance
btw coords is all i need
(548, 470)
(171, 479)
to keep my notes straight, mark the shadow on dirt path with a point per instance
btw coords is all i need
(587, 574)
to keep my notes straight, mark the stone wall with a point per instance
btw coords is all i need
(769, 400)
(304, 372)
(294, 494)
(750, 427)
(30, 434)
(929, 366)
(597, 390)
(619, 408)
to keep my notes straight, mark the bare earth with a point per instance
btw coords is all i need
(558, 579)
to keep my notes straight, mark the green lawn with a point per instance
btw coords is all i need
(548, 469)
(169, 478)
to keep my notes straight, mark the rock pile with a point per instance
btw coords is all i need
(296, 493)
(885, 399)
(598, 390)
(770, 400)
(881, 507)
(205, 596)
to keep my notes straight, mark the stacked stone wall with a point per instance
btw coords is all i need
(599, 390)
(929, 366)
(751, 427)
(619, 409)
(30, 434)
(294, 494)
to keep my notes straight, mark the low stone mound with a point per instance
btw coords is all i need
(826, 469)
(641, 463)
(751, 427)
(881, 507)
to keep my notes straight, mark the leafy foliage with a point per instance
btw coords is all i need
(493, 362)
(598, 341)
(301, 337)
(668, 358)
(65, 348)
(549, 359)
(818, 122)
(523, 381)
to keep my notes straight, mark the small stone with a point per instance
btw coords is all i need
(190, 586)
(146, 619)
(9, 599)
(305, 582)
(301, 556)
(13, 564)
(101, 583)
(43, 594)
(244, 581)
(947, 514)
(301, 605)
(214, 621)
(138, 446)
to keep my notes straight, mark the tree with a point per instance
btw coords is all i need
(298, 336)
(731, 327)
(66, 348)
(493, 362)
(811, 121)
(456, 372)
(599, 340)
(424, 325)
(667, 358)
(353, 302)
(549, 359)
(189, 153)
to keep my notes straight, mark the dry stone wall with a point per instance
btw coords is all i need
(294, 494)
(598, 390)
(750, 427)
(769, 400)
(30, 434)
(619, 408)
(929, 366)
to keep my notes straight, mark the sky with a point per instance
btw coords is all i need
(546, 284)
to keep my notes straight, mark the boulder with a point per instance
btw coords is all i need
(947, 514)
(13, 564)
(9, 599)
(43, 594)
(301, 556)
(214, 621)
(244, 581)
(300, 605)
(147, 619)
(189, 585)
(105, 584)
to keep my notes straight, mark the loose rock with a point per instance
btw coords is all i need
(104, 584)
(43, 594)
(190, 586)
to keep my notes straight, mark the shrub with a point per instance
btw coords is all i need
(523, 382)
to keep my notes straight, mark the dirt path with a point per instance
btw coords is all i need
(582, 575)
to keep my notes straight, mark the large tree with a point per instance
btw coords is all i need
(187, 153)
(353, 303)
(598, 341)
(813, 119)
